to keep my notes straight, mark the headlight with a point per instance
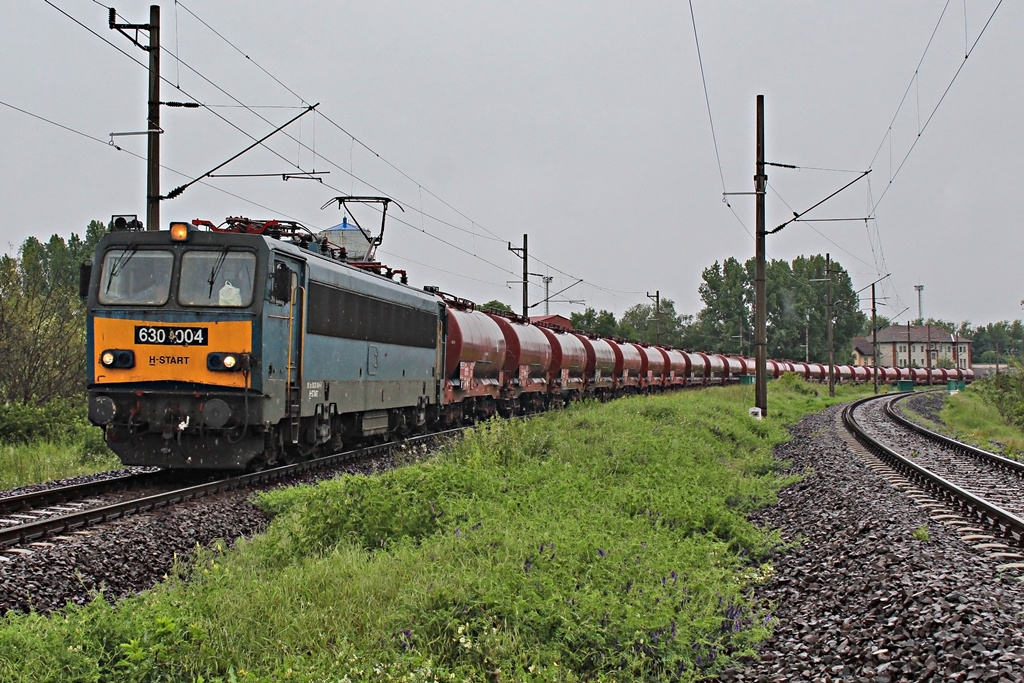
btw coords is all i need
(179, 232)
(118, 358)
(227, 362)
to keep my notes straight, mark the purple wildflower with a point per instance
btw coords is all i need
(601, 552)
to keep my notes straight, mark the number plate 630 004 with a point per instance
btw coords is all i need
(175, 336)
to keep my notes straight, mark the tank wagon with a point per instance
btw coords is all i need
(254, 343)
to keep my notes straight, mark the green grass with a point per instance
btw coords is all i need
(42, 443)
(971, 418)
(22, 464)
(603, 542)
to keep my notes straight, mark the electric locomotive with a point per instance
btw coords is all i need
(253, 343)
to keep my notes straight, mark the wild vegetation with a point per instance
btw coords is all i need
(54, 441)
(602, 542)
(990, 413)
(44, 433)
(42, 319)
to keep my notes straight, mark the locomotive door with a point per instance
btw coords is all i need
(283, 347)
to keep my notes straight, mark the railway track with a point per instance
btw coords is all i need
(980, 493)
(32, 517)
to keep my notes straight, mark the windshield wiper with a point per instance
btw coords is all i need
(216, 269)
(120, 263)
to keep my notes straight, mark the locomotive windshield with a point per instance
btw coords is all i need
(136, 277)
(217, 278)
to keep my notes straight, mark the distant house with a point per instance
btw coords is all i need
(863, 352)
(921, 346)
(556, 320)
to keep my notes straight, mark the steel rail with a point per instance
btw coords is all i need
(1014, 466)
(64, 494)
(34, 531)
(986, 513)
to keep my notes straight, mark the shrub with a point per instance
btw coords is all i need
(58, 421)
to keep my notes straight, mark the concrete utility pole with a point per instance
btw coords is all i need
(874, 338)
(760, 292)
(831, 354)
(807, 339)
(153, 130)
(909, 360)
(523, 254)
(547, 293)
(657, 314)
(928, 354)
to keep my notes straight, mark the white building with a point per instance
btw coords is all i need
(922, 346)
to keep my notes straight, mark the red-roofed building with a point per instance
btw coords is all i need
(922, 346)
(556, 320)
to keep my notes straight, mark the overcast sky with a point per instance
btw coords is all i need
(583, 124)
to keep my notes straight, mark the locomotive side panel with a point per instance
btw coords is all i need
(369, 354)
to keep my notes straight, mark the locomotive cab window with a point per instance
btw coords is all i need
(136, 277)
(217, 278)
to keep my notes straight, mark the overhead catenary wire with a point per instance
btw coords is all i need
(354, 139)
(931, 115)
(474, 223)
(711, 121)
(140, 157)
(398, 170)
(164, 79)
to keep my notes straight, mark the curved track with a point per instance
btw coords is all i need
(984, 488)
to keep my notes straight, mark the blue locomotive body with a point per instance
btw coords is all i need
(252, 350)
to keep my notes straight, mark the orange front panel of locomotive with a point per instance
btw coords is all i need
(169, 351)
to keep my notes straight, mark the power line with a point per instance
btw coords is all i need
(711, 120)
(70, 129)
(493, 237)
(931, 115)
(163, 78)
(395, 168)
(707, 98)
(107, 144)
(820, 233)
(177, 3)
(347, 133)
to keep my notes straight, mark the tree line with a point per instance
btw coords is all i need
(42, 319)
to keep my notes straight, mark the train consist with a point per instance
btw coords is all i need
(253, 343)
